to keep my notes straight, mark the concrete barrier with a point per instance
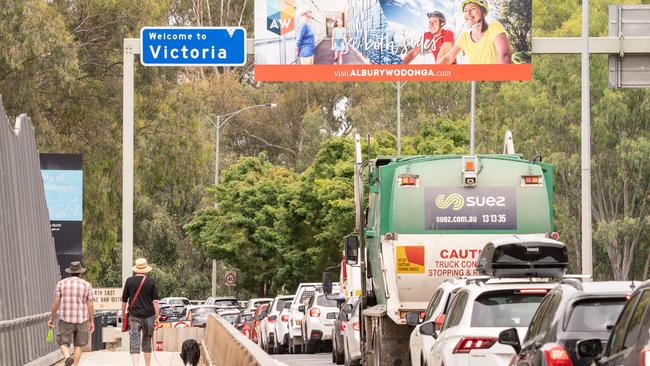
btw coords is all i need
(224, 345)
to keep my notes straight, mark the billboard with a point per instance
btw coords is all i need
(63, 184)
(393, 40)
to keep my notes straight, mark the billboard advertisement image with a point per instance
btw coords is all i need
(392, 40)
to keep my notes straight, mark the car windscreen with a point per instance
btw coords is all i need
(230, 318)
(594, 315)
(324, 301)
(226, 302)
(280, 304)
(505, 309)
(200, 311)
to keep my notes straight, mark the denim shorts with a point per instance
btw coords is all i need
(144, 326)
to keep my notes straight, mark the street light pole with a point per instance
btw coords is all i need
(217, 128)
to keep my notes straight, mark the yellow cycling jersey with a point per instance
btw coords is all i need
(483, 52)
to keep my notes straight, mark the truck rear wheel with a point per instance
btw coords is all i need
(386, 341)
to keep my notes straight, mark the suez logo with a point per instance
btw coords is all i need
(457, 201)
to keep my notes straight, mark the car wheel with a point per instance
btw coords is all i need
(310, 348)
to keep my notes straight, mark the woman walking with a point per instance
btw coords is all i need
(338, 41)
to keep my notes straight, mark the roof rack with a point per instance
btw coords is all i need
(476, 279)
(576, 283)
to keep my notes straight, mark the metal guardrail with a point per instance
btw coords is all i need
(28, 266)
(224, 345)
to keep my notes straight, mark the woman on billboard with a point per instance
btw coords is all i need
(484, 43)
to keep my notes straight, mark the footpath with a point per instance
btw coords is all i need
(105, 358)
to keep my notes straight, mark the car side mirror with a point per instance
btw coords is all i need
(347, 308)
(352, 249)
(589, 349)
(327, 283)
(413, 318)
(510, 337)
(301, 308)
(342, 317)
(428, 329)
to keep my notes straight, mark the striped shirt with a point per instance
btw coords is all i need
(74, 293)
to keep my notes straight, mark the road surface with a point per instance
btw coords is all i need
(318, 359)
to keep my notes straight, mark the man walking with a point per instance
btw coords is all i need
(73, 301)
(306, 39)
(141, 294)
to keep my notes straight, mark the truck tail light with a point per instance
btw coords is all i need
(355, 325)
(285, 318)
(556, 355)
(408, 180)
(314, 312)
(471, 343)
(531, 180)
(645, 357)
(343, 325)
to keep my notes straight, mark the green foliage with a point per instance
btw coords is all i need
(283, 213)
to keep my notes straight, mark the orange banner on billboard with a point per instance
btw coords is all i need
(393, 73)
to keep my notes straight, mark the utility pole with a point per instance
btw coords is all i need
(472, 121)
(587, 265)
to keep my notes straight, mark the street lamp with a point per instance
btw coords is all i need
(217, 126)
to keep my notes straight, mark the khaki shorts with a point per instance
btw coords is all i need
(307, 60)
(69, 331)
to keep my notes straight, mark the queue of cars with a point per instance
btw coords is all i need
(525, 312)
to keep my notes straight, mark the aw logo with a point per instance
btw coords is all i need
(454, 200)
(280, 16)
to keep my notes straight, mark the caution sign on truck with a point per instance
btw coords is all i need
(409, 259)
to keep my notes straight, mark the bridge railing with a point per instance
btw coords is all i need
(224, 345)
(28, 265)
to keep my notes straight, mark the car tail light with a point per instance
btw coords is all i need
(532, 291)
(556, 355)
(343, 325)
(439, 321)
(314, 312)
(645, 357)
(285, 318)
(355, 325)
(272, 319)
(471, 343)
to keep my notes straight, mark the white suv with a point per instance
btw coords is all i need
(476, 316)
(320, 312)
(282, 330)
(303, 293)
(267, 325)
(507, 298)
(434, 317)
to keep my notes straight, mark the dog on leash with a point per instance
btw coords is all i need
(190, 353)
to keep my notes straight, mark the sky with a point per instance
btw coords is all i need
(409, 16)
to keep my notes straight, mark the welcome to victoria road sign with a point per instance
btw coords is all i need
(193, 46)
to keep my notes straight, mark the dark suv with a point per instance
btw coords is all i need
(629, 343)
(571, 311)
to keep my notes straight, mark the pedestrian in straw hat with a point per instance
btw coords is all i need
(73, 302)
(141, 295)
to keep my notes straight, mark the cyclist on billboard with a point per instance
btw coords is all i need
(484, 43)
(438, 40)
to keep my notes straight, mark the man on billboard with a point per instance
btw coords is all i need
(306, 39)
(437, 39)
(484, 43)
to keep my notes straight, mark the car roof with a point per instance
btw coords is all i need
(509, 284)
(217, 298)
(284, 297)
(600, 287)
(520, 239)
(258, 299)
